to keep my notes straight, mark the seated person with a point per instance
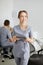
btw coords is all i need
(6, 38)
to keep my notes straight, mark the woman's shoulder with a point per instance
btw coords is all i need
(16, 27)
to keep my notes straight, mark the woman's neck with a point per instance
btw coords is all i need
(23, 27)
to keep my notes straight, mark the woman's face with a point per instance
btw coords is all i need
(23, 18)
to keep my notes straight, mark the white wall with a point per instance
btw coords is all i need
(6, 8)
(9, 9)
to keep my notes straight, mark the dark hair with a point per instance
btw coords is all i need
(21, 12)
(6, 22)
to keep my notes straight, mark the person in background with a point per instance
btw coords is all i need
(21, 49)
(6, 37)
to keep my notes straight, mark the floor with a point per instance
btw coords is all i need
(7, 61)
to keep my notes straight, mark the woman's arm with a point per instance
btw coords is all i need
(10, 39)
(30, 40)
(15, 38)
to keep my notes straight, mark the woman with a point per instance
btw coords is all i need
(22, 37)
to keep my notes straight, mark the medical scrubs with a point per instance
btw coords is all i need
(21, 50)
(5, 36)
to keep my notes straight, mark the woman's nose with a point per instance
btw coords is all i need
(23, 18)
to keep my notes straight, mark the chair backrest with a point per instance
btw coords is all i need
(32, 49)
(36, 35)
